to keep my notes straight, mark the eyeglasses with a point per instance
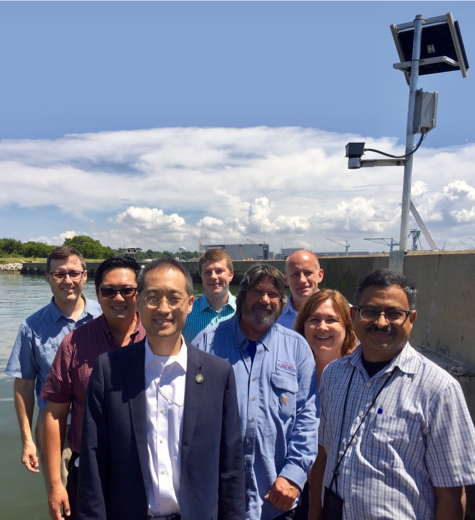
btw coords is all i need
(173, 302)
(125, 292)
(391, 315)
(59, 276)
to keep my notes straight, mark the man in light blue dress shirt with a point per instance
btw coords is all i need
(277, 394)
(302, 275)
(217, 303)
(39, 338)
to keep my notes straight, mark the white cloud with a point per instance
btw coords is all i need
(290, 186)
(57, 240)
(464, 216)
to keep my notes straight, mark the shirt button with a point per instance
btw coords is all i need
(162, 471)
(354, 441)
(347, 471)
(368, 385)
(361, 414)
(162, 410)
(347, 504)
(251, 419)
(253, 398)
(161, 441)
(253, 378)
(247, 359)
(249, 442)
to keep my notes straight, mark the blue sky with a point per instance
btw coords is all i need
(158, 123)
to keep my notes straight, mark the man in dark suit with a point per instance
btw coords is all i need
(161, 435)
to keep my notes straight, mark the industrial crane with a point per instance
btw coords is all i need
(385, 242)
(345, 245)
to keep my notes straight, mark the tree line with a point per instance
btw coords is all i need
(87, 246)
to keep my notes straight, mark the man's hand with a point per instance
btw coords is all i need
(24, 396)
(283, 493)
(57, 497)
(28, 456)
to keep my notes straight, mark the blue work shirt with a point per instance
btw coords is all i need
(203, 315)
(278, 406)
(38, 340)
(288, 316)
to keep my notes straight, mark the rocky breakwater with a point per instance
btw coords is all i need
(15, 267)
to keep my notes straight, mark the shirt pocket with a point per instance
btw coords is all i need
(284, 395)
(391, 439)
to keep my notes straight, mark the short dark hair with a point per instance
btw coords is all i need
(116, 262)
(254, 277)
(215, 255)
(387, 278)
(63, 253)
(162, 263)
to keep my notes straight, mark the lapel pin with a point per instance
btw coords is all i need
(199, 378)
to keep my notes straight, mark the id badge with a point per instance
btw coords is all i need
(332, 506)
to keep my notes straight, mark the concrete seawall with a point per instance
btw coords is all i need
(445, 283)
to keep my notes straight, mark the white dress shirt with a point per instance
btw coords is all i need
(165, 379)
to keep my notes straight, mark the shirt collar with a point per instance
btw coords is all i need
(106, 328)
(406, 360)
(289, 309)
(181, 358)
(203, 304)
(57, 314)
(241, 339)
(87, 305)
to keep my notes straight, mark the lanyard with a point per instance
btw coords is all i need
(335, 471)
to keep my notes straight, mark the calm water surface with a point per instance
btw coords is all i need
(22, 494)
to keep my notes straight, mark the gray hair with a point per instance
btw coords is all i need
(254, 277)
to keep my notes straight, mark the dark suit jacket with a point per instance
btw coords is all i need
(113, 471)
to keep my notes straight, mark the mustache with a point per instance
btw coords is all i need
(262, 307)
(371, 327)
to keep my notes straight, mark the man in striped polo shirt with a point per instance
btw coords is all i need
(217, 303)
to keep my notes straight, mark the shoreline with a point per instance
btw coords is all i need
(13, 268)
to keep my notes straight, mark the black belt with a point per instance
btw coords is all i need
(175, 516)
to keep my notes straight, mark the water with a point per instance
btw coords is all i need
(22, 494)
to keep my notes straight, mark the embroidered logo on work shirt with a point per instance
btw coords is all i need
(286, 367)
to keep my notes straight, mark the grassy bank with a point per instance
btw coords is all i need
(22, 260)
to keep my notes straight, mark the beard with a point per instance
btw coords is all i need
(259, 318)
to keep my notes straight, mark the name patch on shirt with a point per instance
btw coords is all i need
(286, 367)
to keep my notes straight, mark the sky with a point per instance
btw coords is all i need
(161, 125)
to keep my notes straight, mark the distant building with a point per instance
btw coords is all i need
(285, 252)
(244, 251)
(132, 251)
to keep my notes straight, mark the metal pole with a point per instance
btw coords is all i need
(406, 189)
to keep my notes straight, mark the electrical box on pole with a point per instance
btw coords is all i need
(425, 111)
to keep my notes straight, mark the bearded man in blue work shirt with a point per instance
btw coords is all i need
(277, 394)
